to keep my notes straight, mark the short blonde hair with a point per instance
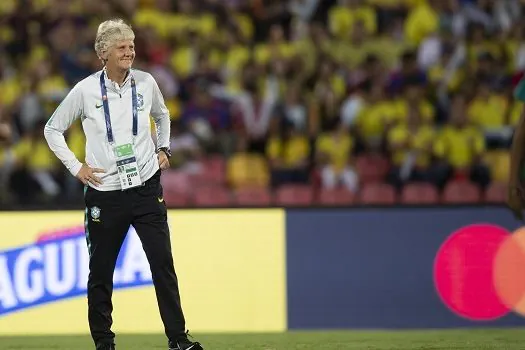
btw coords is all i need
(110, 32)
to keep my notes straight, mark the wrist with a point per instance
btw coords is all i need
(75, 169)
(166, 151)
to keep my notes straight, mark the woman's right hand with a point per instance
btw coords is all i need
(87, 175)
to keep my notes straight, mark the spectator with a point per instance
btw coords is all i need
(414, 97)
(51, 85)
(422, 21)
(31, 106)
(247, 169)
(361, 46)
(293, 110)
(343, 16)
(237, 56)
(277, 47)
(460, 147)
(409, 71)
(487, 111)
(288, 151)
(354, 103)
(201, 70)
(444, 76)
(252, 109)
(480, 47)
(185, 148)
(184, 60)
(374, 118)
(492, 15)
(328, 92)
(37, 165)
(334, 158)
(208, 118)
(302, 11)
(10, 86)
(410, 147)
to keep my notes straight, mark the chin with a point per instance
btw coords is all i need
(125, 66)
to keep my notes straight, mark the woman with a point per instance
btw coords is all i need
(122, 177)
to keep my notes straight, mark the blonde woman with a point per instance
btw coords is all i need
(122, 177)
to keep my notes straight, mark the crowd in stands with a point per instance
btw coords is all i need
(276, 102)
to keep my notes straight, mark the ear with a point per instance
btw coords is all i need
(104, 57)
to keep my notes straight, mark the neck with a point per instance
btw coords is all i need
(117, 75)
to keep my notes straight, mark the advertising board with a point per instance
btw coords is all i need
(405, 268)
(230, 264)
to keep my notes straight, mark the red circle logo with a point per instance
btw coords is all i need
(478, 272)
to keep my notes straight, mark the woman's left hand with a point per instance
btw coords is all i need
(164, 162)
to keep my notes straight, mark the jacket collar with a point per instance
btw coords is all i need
(112, 83)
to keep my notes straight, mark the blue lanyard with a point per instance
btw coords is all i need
(104, 92)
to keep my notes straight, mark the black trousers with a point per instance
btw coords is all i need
(108, 217)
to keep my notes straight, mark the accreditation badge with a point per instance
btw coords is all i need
(127, 166)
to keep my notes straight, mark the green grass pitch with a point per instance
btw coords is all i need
(479, 339)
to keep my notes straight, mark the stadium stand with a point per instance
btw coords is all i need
(298, 102)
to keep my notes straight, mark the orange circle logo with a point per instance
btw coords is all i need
(479, 272)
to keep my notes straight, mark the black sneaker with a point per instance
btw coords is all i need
(184, 343)
(104, 346)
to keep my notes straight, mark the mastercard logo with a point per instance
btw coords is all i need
(479, 272)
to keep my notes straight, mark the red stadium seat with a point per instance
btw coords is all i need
(496, 193)
(461, 192)
(372, 168)
(378, 194)
(173, 180)
(216, 164)
(175, 185)
(210, 196)
(336, 197)
(294, 195)
(419, 193)
(176, 199)
(213, 172)
(253, 197)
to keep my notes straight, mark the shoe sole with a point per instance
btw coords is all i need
(190, 348)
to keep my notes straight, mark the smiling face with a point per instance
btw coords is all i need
(120, 56)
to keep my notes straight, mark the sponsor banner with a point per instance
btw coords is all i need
(230, 266)
(405, 268)
(56, 268)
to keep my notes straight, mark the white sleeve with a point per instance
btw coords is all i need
(161, 116)
(71, 108)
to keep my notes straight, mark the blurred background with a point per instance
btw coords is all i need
(286, 103)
